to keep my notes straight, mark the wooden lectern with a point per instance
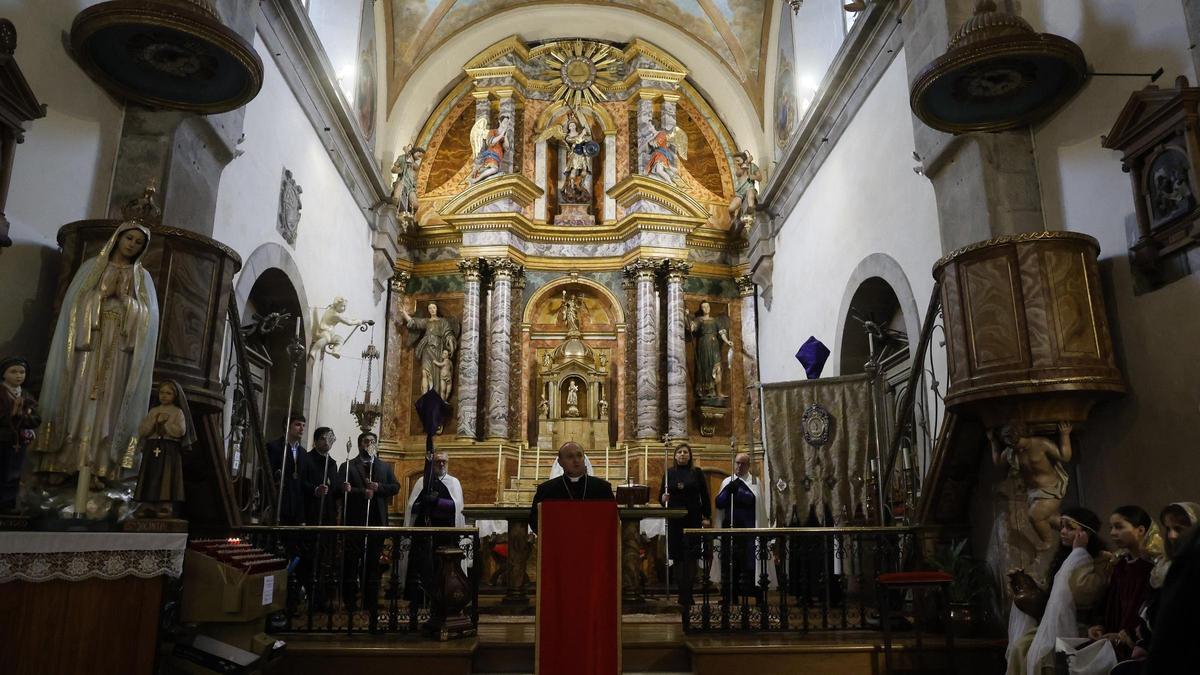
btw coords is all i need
(578, 589)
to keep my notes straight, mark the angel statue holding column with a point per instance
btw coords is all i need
(490, 146)
(666, 148)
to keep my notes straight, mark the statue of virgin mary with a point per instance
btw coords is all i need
(100, 368)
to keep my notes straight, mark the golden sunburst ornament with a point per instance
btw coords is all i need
(581, 71)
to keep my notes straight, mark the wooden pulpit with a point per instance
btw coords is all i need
(578, 589)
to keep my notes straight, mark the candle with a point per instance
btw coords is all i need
(499, 470)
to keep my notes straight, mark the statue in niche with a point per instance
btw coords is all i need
(325, 340)
(576, 150)
(664, 147)
(18, 420)
(603, 405)
(101, 364)
(745, 200)
(712, 339)
(490, 147)
(404, 190)
(1041, 465)
(572, 399)
(547, 361)
(571, 305)
(165, 433)
(435, 339)
(544, 407)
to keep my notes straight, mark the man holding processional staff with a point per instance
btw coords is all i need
(741, 504)
(322, 490)
(370, 484)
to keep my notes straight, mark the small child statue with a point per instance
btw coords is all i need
(18, 420)
(163, 434)
(445, 374)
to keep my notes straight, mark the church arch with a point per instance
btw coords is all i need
(270, 281)
(878, 285)
(559, 108)
(618, 313)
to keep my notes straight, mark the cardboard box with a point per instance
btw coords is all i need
(215, 591)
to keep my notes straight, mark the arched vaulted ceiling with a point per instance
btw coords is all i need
(735, 31)
(429, 41)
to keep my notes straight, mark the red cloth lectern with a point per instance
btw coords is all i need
(578, 589)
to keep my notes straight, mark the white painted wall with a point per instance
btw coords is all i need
(333, 248)
(61, 173)
(864, 200)
(1139, 449)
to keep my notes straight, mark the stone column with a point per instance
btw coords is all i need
(468, 359)
(516, 343)
(668, 111)
(645, 113)
(500, 346)
(750, 356)
(539, 178)
(508, 108)
(677, 407)
(610, 176)
(647, 348)
(483, 106)
(628, 361)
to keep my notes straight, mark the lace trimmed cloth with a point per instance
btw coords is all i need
(75, 556)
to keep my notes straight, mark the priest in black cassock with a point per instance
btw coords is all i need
(573, 484)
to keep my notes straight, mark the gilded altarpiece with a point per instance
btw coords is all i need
(571, 218)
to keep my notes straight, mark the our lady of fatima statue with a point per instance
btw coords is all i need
(99, 372)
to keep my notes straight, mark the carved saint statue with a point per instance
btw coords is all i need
(665, 148)
(570, 311)
(544, 407)
(745, 186)
(100, 368)
(325, 340)
(1041, 464)
(18, 420)
(490, 146)
(404, 190)
(603, 409)
(573, 399)
(435, 339)
(165, 433)
(711, 334)
(576, 151)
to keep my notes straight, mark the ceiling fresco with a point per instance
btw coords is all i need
(734, 30)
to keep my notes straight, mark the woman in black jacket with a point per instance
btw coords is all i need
(684, 487)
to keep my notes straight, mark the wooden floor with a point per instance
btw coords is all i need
(650, 644)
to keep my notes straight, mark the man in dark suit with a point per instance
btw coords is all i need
(573, 484)
(372, 484)
(291, 506)
(322, 488)
(287, 457)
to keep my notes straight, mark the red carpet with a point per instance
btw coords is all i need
(578, 589)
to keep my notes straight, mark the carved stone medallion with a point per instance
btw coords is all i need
(289, 208)
(816, 424)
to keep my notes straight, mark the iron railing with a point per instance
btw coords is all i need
(795, 579)
(361, 579)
